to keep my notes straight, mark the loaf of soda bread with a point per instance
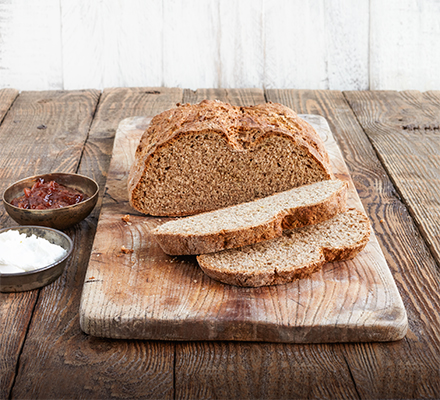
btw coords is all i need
(211, 155)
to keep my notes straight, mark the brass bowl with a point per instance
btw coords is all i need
(58, 218)
(29, 280)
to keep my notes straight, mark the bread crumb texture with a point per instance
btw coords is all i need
(252, 213)
(296, 254)
(252, 222)
(201, 157)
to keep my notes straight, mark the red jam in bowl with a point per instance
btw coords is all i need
(47, 195)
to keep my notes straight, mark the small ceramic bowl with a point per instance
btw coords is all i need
(29, 280)
(58, 218)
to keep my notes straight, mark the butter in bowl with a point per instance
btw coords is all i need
(32, 257)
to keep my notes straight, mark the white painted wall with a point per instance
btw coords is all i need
(309, 44)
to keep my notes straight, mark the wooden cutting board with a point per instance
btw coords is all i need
(146, 294)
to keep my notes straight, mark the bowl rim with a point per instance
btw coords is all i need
(90, 199)
(54, 264)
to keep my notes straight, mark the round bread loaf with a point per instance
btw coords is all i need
(201, 157)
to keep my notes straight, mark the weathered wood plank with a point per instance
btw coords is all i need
(190, 43)
(226, 370)
(36, 151)
(250, 43)
(15, 314)
(404, 128)
(52, 127)
(111, 44)
(434, 95)
(403, 44)
(80, 366)
(7, 97)
(337, 34)
(30, 45)
(409, 368)
(241, 43)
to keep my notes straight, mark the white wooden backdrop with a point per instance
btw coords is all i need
(311, 44)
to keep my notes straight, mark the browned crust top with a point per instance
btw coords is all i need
(241, 125)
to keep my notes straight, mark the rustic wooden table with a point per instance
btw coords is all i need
(391, 143)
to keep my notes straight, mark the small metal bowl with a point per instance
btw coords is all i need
(29, 280)
(58, 218)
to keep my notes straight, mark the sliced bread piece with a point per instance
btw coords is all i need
(252, 222)
(296, 254)
(201, 157)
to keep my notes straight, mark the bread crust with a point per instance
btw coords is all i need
(292, 272)
(192, 244)
(242, 128)
(260, 278)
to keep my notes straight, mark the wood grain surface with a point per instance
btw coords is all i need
(52, 128)
(404, 128)
(52, 358)
(251, 43)
(408, 368)
(31, 46)
(149, 295)
(7, 97)
(81, 366)
(197, 44)
(408, 25)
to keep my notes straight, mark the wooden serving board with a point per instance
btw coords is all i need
(149, 295)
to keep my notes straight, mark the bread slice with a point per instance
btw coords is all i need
(252, 222)
(296, 254)
(211, 155)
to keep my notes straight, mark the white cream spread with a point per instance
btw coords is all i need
(20, 253)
